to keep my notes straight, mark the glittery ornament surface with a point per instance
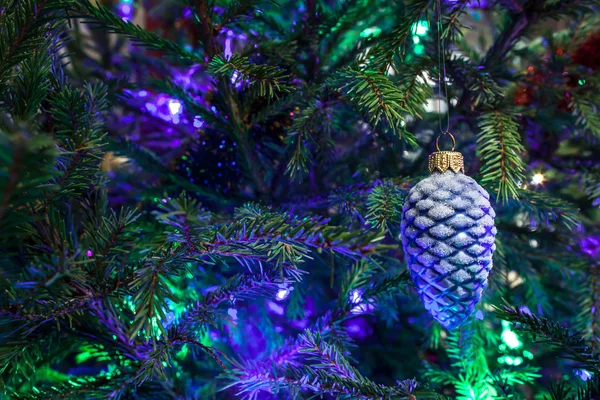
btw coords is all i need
(448, 237)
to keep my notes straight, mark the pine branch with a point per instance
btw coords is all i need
(110, 236)
(260, 235)
(327, 356)
(26, 167)
(78, 117)
(481, 87)
(186, 220)
(451, 21)
(329, 372)
(155, 364)
(260, 80)
(545, 209)
(100, 17)
(305, 128)
(241, 287)
(588, 318)
(390, 45)
(356, 278)
(553, 334)
(26, 23)
(500, 150)
(412, 80)
(32, 83)
(150, 291)
(375, 96)
(587, 116)
(384, 205)
(382, 289)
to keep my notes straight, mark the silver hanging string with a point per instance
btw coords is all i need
(442, 70)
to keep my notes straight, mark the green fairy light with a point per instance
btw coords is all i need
(182, 352)
(581, 82)
(420, 28)
(371, 32)
(517, 361)
(509, 337)
(528, 354)
(419, 49)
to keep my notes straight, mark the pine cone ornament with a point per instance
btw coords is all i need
(448, 238)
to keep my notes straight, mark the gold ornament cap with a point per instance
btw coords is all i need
(441, 161)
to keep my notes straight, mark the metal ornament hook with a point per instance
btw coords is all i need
(437, 140)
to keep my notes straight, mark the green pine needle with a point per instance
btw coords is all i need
(264, 80)
(376, 97)
(500, 150)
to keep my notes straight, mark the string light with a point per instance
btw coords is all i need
(282, 294)
(126, 9)
(420, 28)
(174, 106)
(584, 374)
(537, 179)
(360, 306)
(509, 337)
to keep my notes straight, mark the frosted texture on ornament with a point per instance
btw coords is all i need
(448, 238)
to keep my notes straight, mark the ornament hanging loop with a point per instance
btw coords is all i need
(437, 140)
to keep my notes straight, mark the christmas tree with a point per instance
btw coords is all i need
(230, 199)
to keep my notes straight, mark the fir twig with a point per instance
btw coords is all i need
(553, 334)
(375, 95)
(499, 148)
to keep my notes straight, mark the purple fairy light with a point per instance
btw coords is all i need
(360, 306)
(359, 328)
(126, 9)
(174, 106)
(590, 245)
(89, 253)
(282, 294)
(583, 374)
(284, 290)
(198, 122)
(275, 308)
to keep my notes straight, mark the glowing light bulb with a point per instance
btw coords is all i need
(517, 361)
(537, 179)
(584, 374)
(355, 297)
(198, 121)
(174, 106)
(282, 294)
(420, 28)
(511, 339)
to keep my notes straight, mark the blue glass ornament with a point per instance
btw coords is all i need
(448, 238)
